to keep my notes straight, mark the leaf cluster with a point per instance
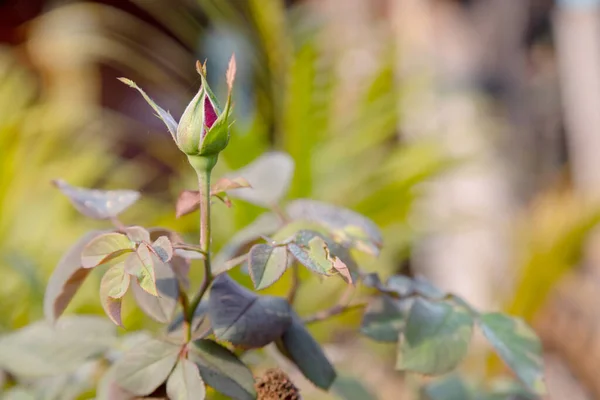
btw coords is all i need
(432, 328)
(199, 348)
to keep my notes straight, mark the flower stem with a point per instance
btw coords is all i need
(185, 304)
(203, 167)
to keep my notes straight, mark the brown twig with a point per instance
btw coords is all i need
(118, 224)
(235, 261)
(185, 305)
(280, 213)
(189, 247)
(341, 307)
(331, 312)
(295, 284)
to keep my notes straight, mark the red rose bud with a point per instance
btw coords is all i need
(209, 114)
(204, 129)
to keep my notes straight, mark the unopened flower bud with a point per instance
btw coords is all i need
(204, 129)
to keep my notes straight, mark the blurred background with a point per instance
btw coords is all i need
(468, 130)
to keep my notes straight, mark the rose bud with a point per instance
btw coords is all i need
(203, 129)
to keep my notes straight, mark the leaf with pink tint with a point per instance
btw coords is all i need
(142, 265)
(225, 184)
(180, 263)
(163, 248)
(66, 278)
(343, 270)
(97, 204)
(188, 202)
(231, 70)
(160, 308)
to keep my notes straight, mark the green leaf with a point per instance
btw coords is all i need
(165, 116)
(115, 281)
(113, 286)
(505, 388)
(105, 247)
(322, 255)
(142, 265)
(518, 346)
(302, 349)
(350, 388)
(314, 256)
(42, 349)
(241, 317)
(161, 307)
(163, 248)
(450, 388)
(180, 263)
(266, 264)
(401, 285)
(146, 366)
(108, 389)
(222, 370)
(185, 382)
(435, 339)
(292, 229)
(425, 288)
(98, 204)
(66, 279)
(265, 224)
(269, 176)
(357, 237)
(344, 224)
(137, 234)
(383, 319)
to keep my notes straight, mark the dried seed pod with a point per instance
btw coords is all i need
(276, 385)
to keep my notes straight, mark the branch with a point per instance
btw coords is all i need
(291, 297)
(332, 312)
(118, 224)
(185, 305)
(233, 262)
(340, 308)
(189, 247)
(276, 208)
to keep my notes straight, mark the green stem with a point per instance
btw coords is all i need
(185, 305)
(293, 291)
(203, 167)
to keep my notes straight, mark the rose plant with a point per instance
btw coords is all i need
(208, 328)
